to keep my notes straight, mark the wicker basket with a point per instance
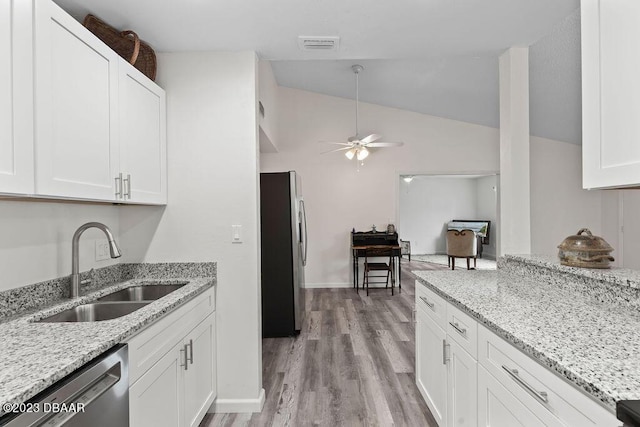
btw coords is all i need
(127, 44)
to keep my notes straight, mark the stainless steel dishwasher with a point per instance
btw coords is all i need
(95, 395)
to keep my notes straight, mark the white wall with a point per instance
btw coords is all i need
(559, 205)
(487, 208)
(427, 204)
(337, 196)
(36, 239)
(268, 96)
(213, 184)
(620, 226)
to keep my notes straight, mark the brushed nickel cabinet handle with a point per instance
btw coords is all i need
(426, 301)
(445, 358)
(127, 194)
(456, 326)
(540, 395)
(190, 351)
(119, 186)
(186, 364)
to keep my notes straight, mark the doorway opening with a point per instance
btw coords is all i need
(430, 205)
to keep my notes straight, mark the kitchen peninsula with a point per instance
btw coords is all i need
(579, 324)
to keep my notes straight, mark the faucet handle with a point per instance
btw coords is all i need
(89, 278)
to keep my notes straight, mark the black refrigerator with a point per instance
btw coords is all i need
(283, 235)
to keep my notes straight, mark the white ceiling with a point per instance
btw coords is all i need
(432, 56)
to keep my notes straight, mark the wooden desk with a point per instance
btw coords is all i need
(358, 251)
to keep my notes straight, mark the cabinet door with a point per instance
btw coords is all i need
(462, 385)
(155, 400)
(431, 371)
(16, 97)
(497, 407)
(200, 377)
(610, 93)
(143, 145)
(76, 108)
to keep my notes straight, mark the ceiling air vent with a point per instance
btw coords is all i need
(318, 43)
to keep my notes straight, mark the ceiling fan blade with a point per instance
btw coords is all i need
(337, 149)
(370, 138)
(336, 143)
(384, 144)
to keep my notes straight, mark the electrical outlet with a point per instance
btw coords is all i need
(102, 250)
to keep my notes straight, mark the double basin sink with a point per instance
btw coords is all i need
(114, 305)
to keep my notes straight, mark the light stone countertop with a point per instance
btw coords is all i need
(593, 344)
(34, 356)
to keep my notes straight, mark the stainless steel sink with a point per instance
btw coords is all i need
(142, 293)
(95, 312)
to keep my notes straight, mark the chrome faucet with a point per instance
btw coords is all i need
(75, 262)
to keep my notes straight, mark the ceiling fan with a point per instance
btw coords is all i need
(358, 147)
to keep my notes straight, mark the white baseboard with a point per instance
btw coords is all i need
(327, 285)
(238, 406)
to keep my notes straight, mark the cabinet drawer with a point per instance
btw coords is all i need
(462, 329)
(433, 305)
(553, 400)
(151, 344)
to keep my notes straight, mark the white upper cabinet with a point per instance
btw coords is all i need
(143, 147)
(610, 93)
(76, 108)
(76, 120)
(16, 97)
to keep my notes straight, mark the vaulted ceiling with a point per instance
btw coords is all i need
(435, 56)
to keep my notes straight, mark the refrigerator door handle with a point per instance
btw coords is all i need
(303, 224)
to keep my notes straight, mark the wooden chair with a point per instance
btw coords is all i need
(461, 244)
(370, 266)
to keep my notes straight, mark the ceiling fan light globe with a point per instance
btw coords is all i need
(363, 153)
(349, 154)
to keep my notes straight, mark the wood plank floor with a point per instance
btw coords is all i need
(352, 364)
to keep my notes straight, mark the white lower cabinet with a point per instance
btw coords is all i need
(200, 377)
(498, 407)
(469, 376)
(550, 399)
(155, 399)
(461, 386)
(445, 371)
(431, 372)
(172, 367)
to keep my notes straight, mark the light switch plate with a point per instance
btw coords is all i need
(236, 234)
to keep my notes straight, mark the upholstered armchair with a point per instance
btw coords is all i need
(461, 244)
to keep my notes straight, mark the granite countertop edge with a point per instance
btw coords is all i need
(23, 384)
(539, 356)
(620, 276)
